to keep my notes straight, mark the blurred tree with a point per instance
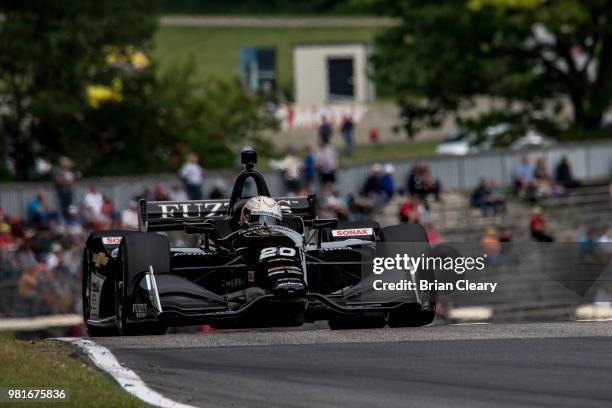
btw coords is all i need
(49, 52)
(75, 80)
(526, 55)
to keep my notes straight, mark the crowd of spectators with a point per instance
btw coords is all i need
(40, 260)
(40, 255)
(488, 197)
(533, 181)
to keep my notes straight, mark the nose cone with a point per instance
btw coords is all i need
(289, 287)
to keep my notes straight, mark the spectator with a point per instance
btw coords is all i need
(347, 130)
(506, 236)
(488, 197)
(421, 183)
(490, 244)
(432, 184)
(373, 184)
(111, 217)
(411, 210)
(563, 174)
(159, 193)
(218, 190)
(129, 216)
(145, 194)
(28, 282)
(537, 226)
(64, 185)
(326, 162)
(73, 225)
(25, 256)
(388, 186)
(588, 244)
(38, 212)
(505, 239)
(93, 203)
(16, 227)
(177, 193)
(6, 239)
(308, 168)
(523, 177)
(373, 135)
(192, 175)
(414, 183)
(332, 204)
(8, 266)
(480, 195)
(496, 196)
(290, 166)
(541, 178)
(360, 207)
(325, 131)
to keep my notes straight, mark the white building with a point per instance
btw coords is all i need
(328, 73)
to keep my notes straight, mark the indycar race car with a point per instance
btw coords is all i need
(256, 262)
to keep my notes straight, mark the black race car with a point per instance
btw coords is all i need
(248, 267)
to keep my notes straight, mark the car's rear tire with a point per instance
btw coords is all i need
(411, 314)
(138, 252)
(405, 233)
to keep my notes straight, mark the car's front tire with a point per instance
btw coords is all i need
(138, 252)
(87, 269)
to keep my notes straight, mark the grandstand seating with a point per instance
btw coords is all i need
(527, 293)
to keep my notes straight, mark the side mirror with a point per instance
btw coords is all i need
(319, 223)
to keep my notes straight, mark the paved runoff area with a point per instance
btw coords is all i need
(505, 365)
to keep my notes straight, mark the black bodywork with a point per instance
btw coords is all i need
(298, 269)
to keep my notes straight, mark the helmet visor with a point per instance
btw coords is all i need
(266, 220)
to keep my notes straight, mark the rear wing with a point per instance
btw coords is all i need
(170, 215)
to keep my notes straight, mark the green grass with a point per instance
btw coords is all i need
(52, 364)
(216, 50)
(390, 151)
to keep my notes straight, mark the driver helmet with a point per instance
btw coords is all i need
(261, 210)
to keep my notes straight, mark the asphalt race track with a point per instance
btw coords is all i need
(536, 364)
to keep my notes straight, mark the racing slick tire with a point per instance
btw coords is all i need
(410, 314)
(348, 321)
(405, 233)
(137, 252)
(95, 331)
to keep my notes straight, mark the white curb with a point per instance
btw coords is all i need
(126, 378)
